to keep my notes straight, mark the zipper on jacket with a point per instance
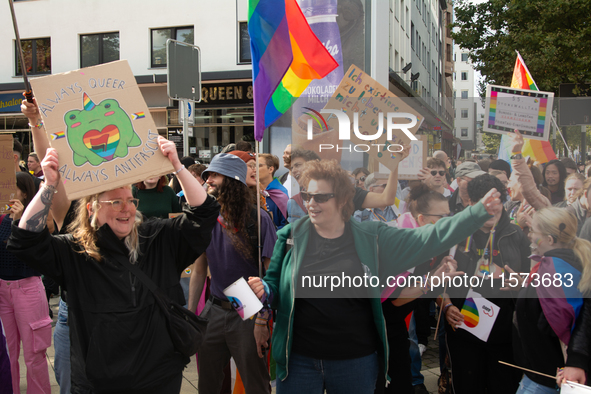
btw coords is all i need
(386, 356)
(291, 311)
(132, 283)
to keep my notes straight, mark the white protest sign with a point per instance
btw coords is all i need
(526, 110)
(417, 159)
(479, 315)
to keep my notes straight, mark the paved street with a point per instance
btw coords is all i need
(430, 366)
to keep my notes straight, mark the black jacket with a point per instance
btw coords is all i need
(513, 250)
(119, 338)
(535, 344)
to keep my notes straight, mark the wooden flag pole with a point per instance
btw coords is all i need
(28, 91)
(528, 370)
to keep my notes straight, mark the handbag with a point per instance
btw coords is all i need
(186, 329)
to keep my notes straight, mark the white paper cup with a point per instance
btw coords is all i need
(243, 299)
(574, 388)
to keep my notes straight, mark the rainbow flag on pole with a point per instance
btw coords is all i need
(286, 57)
(540, 151)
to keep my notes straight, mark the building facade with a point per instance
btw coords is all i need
(467, 101)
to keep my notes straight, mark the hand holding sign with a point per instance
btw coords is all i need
(50, 165)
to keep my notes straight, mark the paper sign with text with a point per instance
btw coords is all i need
(409, 167)
(375, 106)
(7, 173)
(526, 110)
(479, 315)
(98, 121)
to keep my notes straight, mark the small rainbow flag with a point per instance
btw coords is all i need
(138, 115)
(522, 78)
(58, 135)
(88, 104)
(470, 312)
(286, 57)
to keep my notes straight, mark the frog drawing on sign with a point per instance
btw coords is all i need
(99, 132)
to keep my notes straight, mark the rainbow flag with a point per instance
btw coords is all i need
(286, 57)
(540, 151)
(522, 78)
(138, 115)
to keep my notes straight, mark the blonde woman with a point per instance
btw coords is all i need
(118, 334)
(551, 300)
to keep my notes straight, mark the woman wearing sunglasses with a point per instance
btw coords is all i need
(119, 336)
(337, 343)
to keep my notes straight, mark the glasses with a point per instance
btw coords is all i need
(360, 180)
(252, 166)
(118, 205)
(438, 216)
(441, 173)
(383, 185)
(318, 197)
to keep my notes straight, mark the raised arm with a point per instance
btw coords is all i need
(61, 204)
(194, 192)
(388, 197)
(524, 176)
(35, 216)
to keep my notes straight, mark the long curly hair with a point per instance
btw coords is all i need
(236, 203)
(84, 227)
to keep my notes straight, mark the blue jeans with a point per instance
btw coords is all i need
(312, 376)
(61, 344)
(528, 386)
(415, 355)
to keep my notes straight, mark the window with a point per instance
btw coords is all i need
(419, 46)
(159, 37)
(244, 44)
(464, 114)
(465, 56)
(412, 35)
(402, 18)
(98, 49)
(464, 75)
(37, 56)
(464, 94)
(464, 132)
(395, 7)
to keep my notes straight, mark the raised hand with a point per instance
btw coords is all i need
(50, 166)
(516, 142)
(492, 202)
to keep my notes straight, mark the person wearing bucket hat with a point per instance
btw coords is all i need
(231, 255)
(464, 174)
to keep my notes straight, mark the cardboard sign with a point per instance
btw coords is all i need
(479, 315)
(99, 123)
(7, 173)
(360, 94)
(528, 111)
(409, 167)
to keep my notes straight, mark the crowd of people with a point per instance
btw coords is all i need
(508, 223)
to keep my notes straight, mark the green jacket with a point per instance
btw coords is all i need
(376, 244)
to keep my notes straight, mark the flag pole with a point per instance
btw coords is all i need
(28, 91)
(258, 198)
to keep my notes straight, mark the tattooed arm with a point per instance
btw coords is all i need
(35, 216)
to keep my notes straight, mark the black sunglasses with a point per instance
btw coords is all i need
(318, 197)
(442, 173)
(360, 180)
(438, 216)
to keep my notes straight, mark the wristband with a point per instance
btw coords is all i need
(39, 125)
(446, 307)
(179, 170)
